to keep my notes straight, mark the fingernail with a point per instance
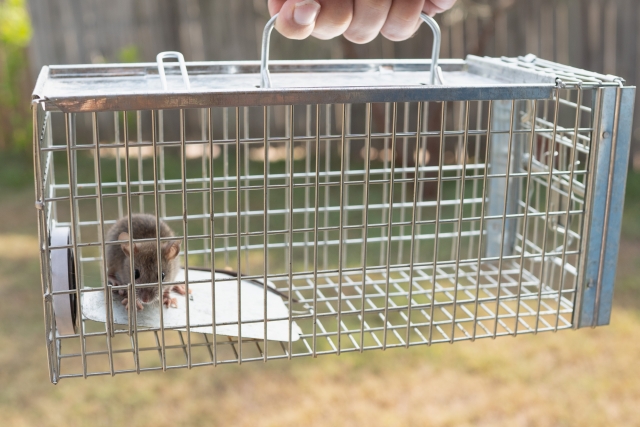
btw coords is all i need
(306, 12)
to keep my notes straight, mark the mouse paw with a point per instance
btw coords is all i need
(139, 306)
(115, 282)
(180, 289)
(168, 301)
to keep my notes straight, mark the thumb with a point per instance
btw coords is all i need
(297, 18)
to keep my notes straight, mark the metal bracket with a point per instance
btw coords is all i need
(502, 196)
(611, 140)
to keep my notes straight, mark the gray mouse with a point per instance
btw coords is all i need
(145, 260)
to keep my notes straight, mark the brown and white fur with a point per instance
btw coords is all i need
(145, 259)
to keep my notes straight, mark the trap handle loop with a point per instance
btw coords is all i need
(435, 53)
(183, 68)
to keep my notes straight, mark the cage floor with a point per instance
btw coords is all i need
(480, 306)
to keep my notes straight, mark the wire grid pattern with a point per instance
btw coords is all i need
(383, 225)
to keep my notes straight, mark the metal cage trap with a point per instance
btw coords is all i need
(384, 203)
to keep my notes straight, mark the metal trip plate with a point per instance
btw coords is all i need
(80, 88)
(252, 297)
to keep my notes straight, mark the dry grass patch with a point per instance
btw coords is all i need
(18, 247)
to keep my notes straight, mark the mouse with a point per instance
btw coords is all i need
(145, 260)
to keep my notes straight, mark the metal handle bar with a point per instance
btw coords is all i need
(266, 37)
(183, 67)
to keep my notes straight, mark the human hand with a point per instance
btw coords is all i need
(359, 21)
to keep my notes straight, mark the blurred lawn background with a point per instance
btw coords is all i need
(581, 378)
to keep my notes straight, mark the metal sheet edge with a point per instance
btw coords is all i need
(296, 96)
(620, 169)
(37, 96)
(594, 292)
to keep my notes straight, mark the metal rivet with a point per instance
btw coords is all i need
(606, 134)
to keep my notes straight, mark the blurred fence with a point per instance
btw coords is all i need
(15, 84)
(599, 35)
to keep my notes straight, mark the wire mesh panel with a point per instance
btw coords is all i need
(421, 218)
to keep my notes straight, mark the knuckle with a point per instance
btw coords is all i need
(336, 15)
(397, 34)
(359, 37)
(295, 36)
(390, 35)
(402, 22)
(369, 17)
(338, 21)
(378, 5)
(329, 29)
(442, 4)
(404, 18)
(405, 12)
(292, 33)
(321, 35)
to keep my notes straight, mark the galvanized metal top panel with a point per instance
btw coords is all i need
(79, 88)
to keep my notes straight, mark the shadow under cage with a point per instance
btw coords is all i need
(331, 207)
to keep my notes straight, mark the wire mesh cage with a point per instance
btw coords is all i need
(331, 207)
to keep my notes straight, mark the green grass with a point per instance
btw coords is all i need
(16, 171)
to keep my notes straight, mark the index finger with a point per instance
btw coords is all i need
(275, 6)
(432, 7)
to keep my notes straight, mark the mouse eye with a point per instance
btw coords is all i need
(137, 274)
(163, 275)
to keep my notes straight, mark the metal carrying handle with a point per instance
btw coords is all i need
(435, 53)
(183, 67)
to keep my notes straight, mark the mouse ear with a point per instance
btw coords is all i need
(171, 250)
(125, 246)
